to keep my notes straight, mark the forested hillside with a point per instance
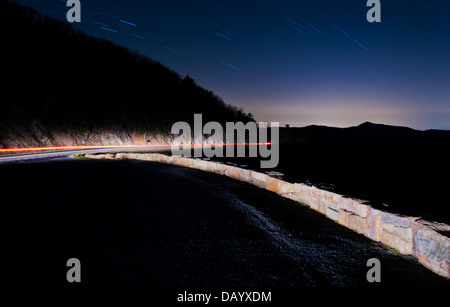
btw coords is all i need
(64, 80)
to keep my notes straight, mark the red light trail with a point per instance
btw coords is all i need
(56, 148)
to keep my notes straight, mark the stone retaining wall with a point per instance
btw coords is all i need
(408, 235)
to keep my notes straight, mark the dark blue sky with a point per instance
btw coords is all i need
(299, 62)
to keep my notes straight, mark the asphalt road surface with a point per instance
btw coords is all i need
(146, 224)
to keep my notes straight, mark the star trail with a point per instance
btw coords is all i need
(296, 62)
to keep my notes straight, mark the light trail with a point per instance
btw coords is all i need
(72, 147)
(60, 148)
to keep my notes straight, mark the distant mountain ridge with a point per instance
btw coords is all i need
(367, 133)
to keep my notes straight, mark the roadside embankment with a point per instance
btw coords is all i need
(35, 134)
(408, 235)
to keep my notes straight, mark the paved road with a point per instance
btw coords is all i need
(137, 223)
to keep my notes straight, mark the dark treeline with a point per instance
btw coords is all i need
(67, 79)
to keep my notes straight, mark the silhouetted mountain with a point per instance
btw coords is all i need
(364, 134)
(398, 166)
(67, 80)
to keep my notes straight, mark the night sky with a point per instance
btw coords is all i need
(298, 62)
